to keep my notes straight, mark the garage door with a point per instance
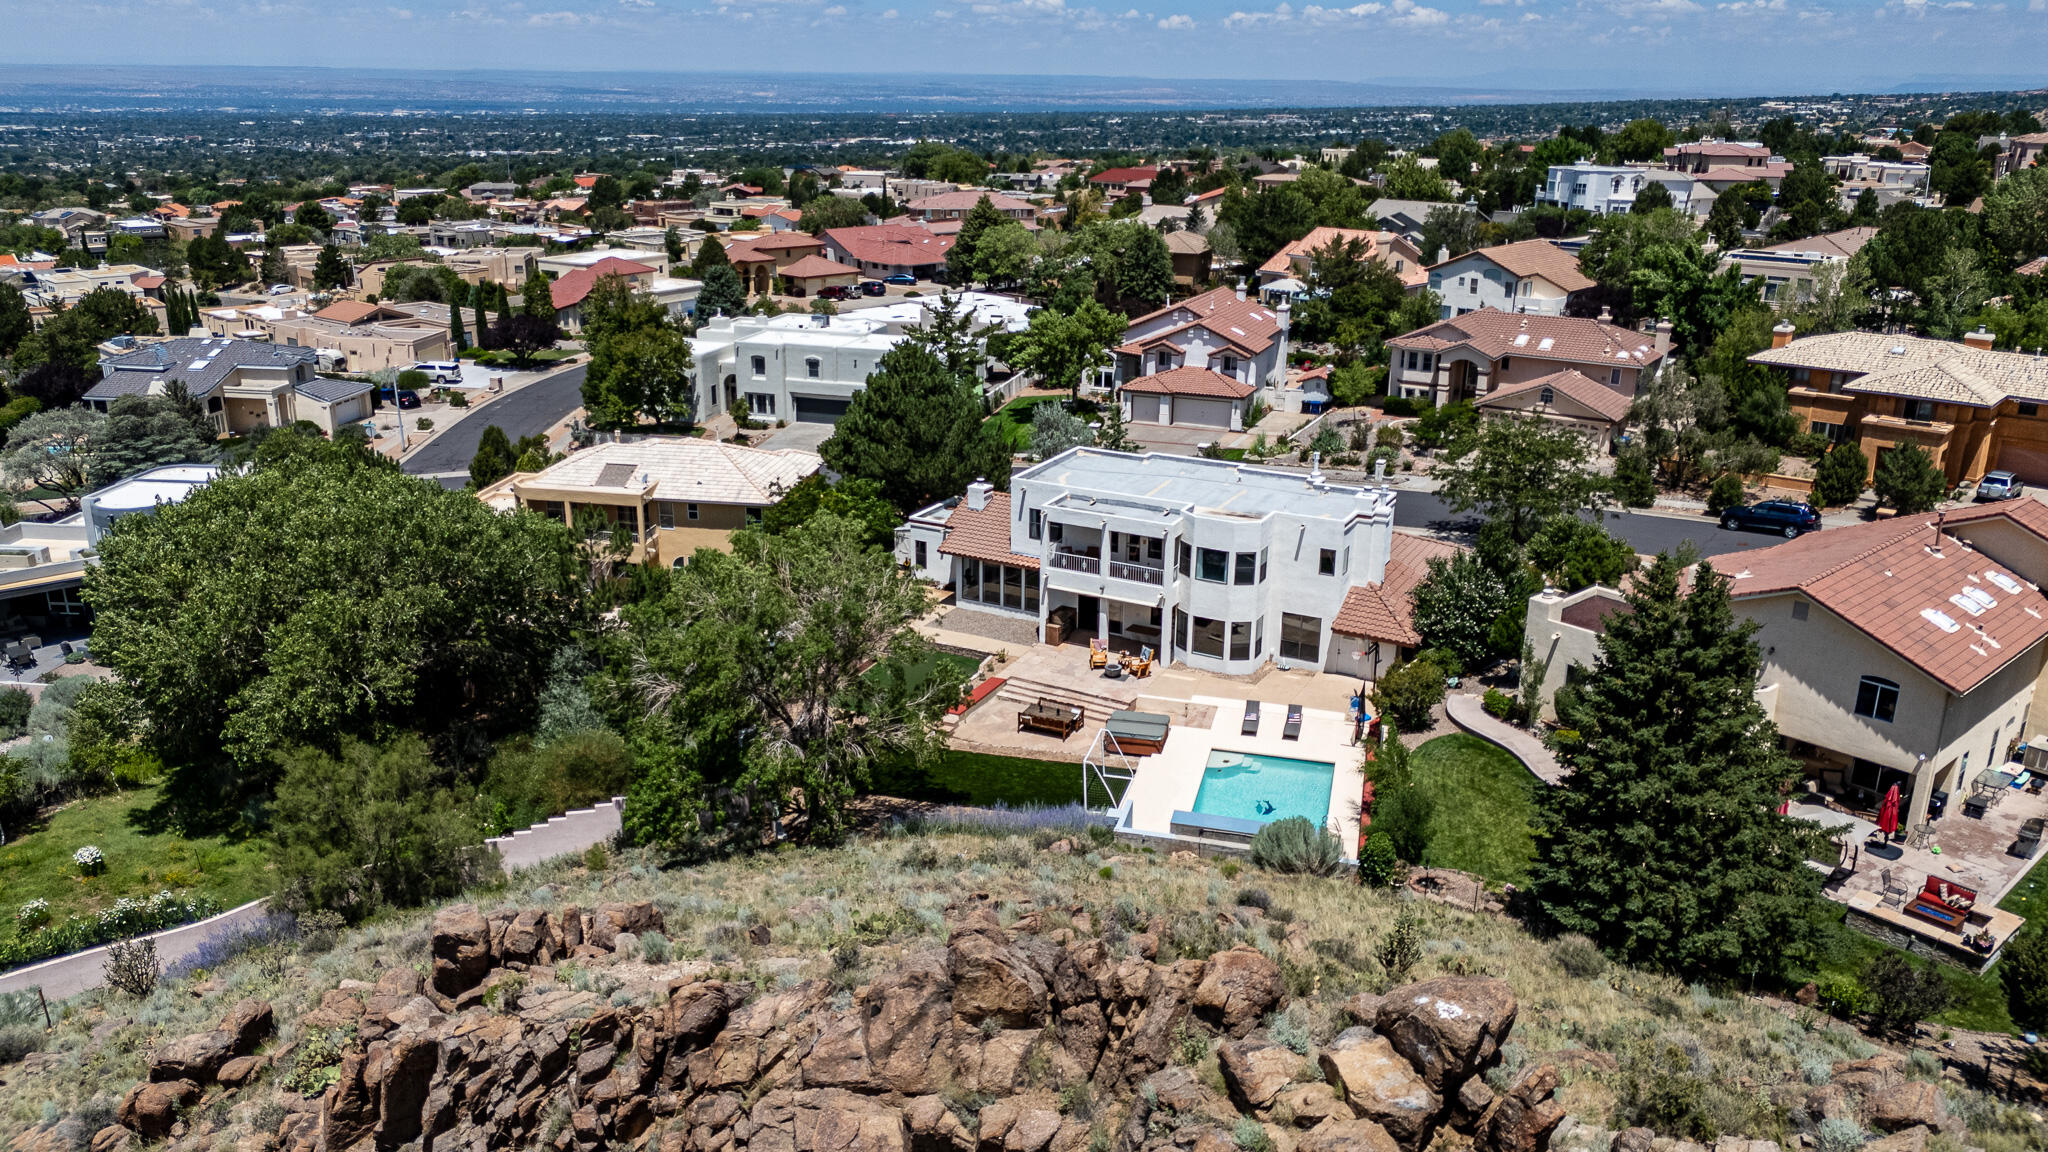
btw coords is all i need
(819, 409)
(2029, 464)
(1208, 413)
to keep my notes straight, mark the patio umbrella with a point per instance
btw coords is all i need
(1888, 812)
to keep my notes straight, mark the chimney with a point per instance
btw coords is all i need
(1443, 253)
(1781, 333)
(1240, 289)
(1284, 316)
(1315, 468)
(1663, 342)
(1606, 315)
(978, 494)
(1980, 339)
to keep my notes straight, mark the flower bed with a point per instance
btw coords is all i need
(126, 918)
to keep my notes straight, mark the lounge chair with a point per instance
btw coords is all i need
(1141, 664)
(1098, 656)
(1293, 729)
(1251, 718)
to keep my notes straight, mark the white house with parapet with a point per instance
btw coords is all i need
(790, 368)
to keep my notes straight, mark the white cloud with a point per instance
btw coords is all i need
(889, 15)
(1408, 13)
(555, 19)
(836, 10)
(1177, 22)
(1279, 15)
(400, 13)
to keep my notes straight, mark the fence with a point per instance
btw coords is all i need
(564, 835)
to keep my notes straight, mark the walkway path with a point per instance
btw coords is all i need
(1466, 712)
(67, 976)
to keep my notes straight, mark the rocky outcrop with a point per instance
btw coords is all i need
(491, 1051)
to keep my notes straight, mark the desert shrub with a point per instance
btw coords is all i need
(19, 1040)
(1298, 846)
(1837, 1134)
(1842, 995)
(14, 708)
(1190, 1043)
(316, 1060)
(230, 942)
(1251, 1136)
(1726, 492)
(1903, 993)
(1400, 947)
(597, 858)
(1658, 1089)
(1254, 898)
(1580, 958)
(132, 967)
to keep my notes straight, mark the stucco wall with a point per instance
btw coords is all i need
(564, 835)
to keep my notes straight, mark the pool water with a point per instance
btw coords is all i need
(1265, 788)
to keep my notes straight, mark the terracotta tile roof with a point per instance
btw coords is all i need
(1386, 246)
(1590, 394)
(2034, 267)
(1943, 370)
(1734, 175)
(964, 201)
(983, 535)
(348, 312)
(1845, 243)
(1190, 381)
(1888, 580)
(1124, 175)
(785, 242)
(1246, 323)
(147, 282)
(1386, 610)
(570, 289)
(1534, 258)
(817, 268)
(1717, 148)
(1493, 334)
(899, 245)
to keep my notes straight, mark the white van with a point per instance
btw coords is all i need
(440, 371)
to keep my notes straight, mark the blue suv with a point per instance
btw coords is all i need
(1787, 518)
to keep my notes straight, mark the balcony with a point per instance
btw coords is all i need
(1141, 573)
(1076, 562)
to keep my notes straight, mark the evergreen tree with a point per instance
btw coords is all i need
(672, 243)
(1665, 845)
(722, 293)
(1907, 479)
(493, 460)
(1113, 435)
(1653, 197)
(917, 430)
(960, 258)
(535, 298)
(329, 271)
(1839, 479)
(710, 254)
(15, 323)
(483, 331)
(458, 336)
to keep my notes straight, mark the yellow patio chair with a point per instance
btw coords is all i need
(1141, 664)
(1098, 655)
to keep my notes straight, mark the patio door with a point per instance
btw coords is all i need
(1088, 615)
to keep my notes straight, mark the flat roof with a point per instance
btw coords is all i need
(1133, 483)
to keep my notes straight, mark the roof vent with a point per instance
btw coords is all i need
(1940, 619)
(1898, 349)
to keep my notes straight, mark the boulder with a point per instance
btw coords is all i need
(250, 1022)
(696, 1011)
(1912, 1139)
(1363, 1008)
(1024, 1123)
(1381, 1086)
(461, 945)
(196, 1057)
(238, 1071)
(152, 1107)
(906, 1016)
(1238, 988)
(1347, 1136)
(1449, 1028)
(1632, 1140)
(1255, 1073)
(1523, 1117)
(112, 1138)
(932, 1124)
(1474, 1097)
(529, 938)
(993, 980)
(1906, 1105)
(1311, 1104)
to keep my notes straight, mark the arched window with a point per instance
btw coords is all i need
(1547, 396)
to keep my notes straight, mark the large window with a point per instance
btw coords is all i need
(1208, 637)
(1212, 565)
(667, 514)
(761, 403)
(1301, 637)
(1240, 640)
(1326, 564)
(1247, 568)
(1877, 698)
(999, 585)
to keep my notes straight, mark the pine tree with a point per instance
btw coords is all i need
(458, 336)
(917, 430)
(672, 243)
(722, 293)
(1907, 479)
(1665, 845)
(710, 254)
(960, 259)
(1839, 479)
(536, 300)
(1113, 436)
(493, 460)
(329, 271)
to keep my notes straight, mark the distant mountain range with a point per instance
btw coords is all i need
(298, 90)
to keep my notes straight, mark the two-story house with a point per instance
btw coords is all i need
(241, 384)
(1214, 564)
(804, 369)
(884, 250)
(1222, 330)
(1905, 651)
(1118, 182)
(956, 206)
(1527, 276)
(1605, 189)
(1971, 408)
(568, 292)
(1292, 269)
(1703, 155)
(674, 494)
(1470, 357)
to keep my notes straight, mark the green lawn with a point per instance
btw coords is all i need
(141, 860)
(1484, 807)
(1013, 420)
(1844, 953)
(2029, 897)
(982, 779)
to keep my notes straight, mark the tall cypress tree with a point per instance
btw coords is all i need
(457, 334)
(483, 331)
(1665, 844)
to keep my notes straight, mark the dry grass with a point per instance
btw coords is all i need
(861, 907)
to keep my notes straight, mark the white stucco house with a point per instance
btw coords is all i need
(1214, 564)
(790, 368)
(1528, 276)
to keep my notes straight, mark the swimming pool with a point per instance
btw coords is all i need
(1265, 788)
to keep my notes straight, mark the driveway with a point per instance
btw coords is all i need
(530, 411)
(803, 436)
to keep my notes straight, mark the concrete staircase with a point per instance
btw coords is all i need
(1095, 704)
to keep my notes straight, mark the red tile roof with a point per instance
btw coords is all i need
(896, 245)
(1386, 610)
(1888, 579)
(1609, 404)
(1246, 323)
(1493, 334)
(817, 268)
(1383, 246)
(572, 287)
(983, 535)
(965, 201)
(1536, 258)
(1124, 175)
(1190, 381)
(784, 242)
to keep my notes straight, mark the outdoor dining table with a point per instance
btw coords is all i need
(1993, 780)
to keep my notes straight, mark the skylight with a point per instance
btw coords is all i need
(1966, 604)
(2003, 581)
(1940, 619)
(1545, 343)
(1521, 340)
(1981, 597)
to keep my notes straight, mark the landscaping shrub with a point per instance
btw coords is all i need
(128, 917)
(2023, 970)
(1498, 704)
(132, 967)
(1843, 995)
(1409, 693)
(14, 708)
(1298, 846)
(1903, 993)
(1379, 865)
(1726, 493)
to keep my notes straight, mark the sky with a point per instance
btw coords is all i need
(1679, 47)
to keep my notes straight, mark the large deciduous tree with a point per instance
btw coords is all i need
(776, 660)
(1665, 845)
(1519, 472)
(339, 597)
(1063, 348)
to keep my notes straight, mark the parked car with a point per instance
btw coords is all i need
(407, 398)
(2000, 485)
(280, 289)
(872, 288)
(902, 278)
(1788, 518)
(838, 292)
(440, 371)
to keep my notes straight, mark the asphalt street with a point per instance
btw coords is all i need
(1649, 532)
(529, 411)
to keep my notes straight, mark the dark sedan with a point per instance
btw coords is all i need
(1787, 518)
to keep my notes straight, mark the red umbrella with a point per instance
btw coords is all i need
(1888, 812)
